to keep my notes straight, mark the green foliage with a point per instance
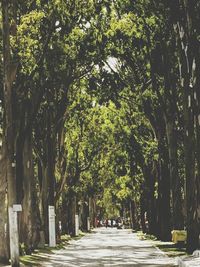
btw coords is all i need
(27, 43)
(92, 80)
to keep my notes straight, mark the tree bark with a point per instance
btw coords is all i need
(4, 251)
(64, 209)
(164, 214)
(84, 214)
(143, 213)
(47, 181)
(150, 175)
(9, 73)
(171, 117)
(29, 223)
(92, 211)
(134, 215)
(185, 25)
(177, 201)
(71, 212)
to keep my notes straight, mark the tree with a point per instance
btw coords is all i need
(185, 25)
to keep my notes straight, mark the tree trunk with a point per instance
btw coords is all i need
(134, 215)
(170, 117)
(158, 123)
(44, 203)
(131, 211)
(92, 211)
(9, 76)
(84, 214)
(143, 213)
(177, 201)
(189, 148)
(64, 210)
(185, 25)
(9, 73)
(30, 223)
(4, 252)
(192, 192)
(71, 212)
(150, 198)
(47, 184)
(164, 214)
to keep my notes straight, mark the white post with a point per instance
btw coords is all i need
(76, 225)
(14, 235)
(88, 224)
(52, 227)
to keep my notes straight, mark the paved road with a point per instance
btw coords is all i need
(109, 247)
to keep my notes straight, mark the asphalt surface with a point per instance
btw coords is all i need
(109, 247)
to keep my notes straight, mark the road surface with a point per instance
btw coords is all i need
(108, 247)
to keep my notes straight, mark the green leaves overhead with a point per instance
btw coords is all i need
(91, 73)
(128, 26)
(27, 42)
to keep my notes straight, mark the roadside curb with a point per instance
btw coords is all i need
(165, 255)
(160, 251)
(189, 261)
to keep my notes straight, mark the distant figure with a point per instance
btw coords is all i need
(111, 222)
(106, 223)
(146, 222)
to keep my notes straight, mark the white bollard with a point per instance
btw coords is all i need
(88, 224)
(76, 225)
(52, 227)
(14, 235)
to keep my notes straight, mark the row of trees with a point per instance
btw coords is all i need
(157, 47)
(100, 106)
(46, 50)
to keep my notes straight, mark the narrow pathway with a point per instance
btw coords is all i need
(109, 247)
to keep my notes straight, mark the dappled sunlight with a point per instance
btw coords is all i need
(109, 247)
(99, 127)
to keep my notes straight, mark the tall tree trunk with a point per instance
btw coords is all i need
(164, 214)
(170, 116)
(47, 183)
(177, 201)
(157, 121)
(197, 124)
(29, 218)
(134, 215)
(185, 25)
(150, 199)
(192, 193)
(189, 148)
(64, 216)
(92, 211)
(42, 186)
(9, 73)
(143, 213)
(84, 214)
(71, 212)
(45, 201)
(4, 252)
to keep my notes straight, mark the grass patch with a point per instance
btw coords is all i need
(143, 236)
(172, 250)
(41, 255)
(169, 248)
